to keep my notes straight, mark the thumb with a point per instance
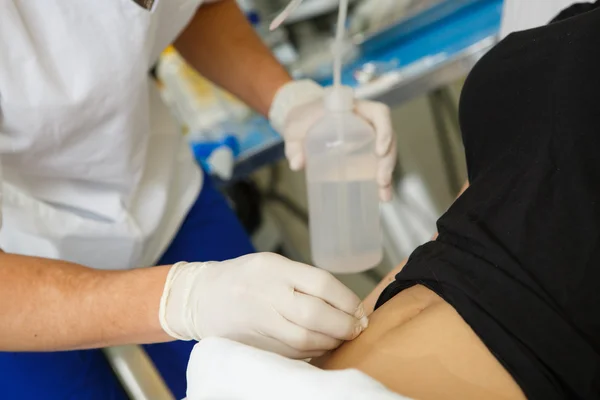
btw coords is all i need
(300, 120)
(294, 152)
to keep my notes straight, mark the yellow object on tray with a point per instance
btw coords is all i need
(198, 103)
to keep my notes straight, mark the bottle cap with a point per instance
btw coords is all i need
(339, 98)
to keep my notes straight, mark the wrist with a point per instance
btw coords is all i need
(274, 87)
(178, 314)
(138, 293)
(289, 96)
(157, 276)
(172, 312)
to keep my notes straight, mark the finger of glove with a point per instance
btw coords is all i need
(378, 115)
(385, 194)
(385, 171)
(294, 152)
(297, 125)
(322, 285)
(300, 338)
(326, 324)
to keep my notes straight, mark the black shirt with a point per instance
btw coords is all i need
(518, 254)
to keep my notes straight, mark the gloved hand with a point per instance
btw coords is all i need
(262, 300)
(298, 105)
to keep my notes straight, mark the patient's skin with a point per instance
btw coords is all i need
(418, 346)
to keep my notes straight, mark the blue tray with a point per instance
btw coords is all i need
(449, 27)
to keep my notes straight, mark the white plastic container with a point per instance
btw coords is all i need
(341, 171)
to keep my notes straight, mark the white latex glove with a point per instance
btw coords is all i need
(263, 300)
(298, 105)
(221, 369)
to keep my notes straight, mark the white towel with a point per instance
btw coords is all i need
(220, 369)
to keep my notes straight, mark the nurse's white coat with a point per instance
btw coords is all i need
(94, 169)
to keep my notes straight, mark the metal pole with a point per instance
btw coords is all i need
(137, 373)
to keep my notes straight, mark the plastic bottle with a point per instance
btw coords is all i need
(341, 176)
(341, 168)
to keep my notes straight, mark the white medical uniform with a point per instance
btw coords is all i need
(94, 169)
(518, 15)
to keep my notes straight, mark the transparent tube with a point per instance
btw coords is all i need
(343, 198)
(339, 43)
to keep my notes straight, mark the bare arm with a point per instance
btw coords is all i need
(223, 47)
(419, 346)
(48, 305)
(370, 301)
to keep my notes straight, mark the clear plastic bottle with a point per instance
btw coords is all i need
(341, 169)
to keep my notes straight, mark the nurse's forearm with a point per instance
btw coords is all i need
(221, 45)
(48, 305)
